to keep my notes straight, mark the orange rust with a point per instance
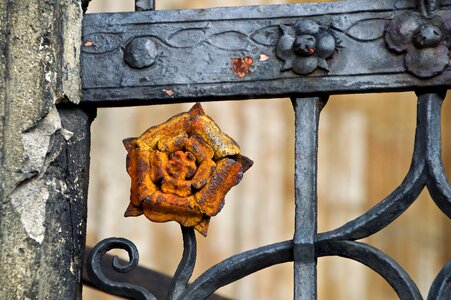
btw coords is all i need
(182, 169)
(242, 65)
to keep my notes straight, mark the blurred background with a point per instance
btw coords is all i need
(365, 148)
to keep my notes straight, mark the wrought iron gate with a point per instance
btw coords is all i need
(302, 51)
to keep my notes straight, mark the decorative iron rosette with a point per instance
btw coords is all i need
(425, 40)
(305, 46)
(182, 169)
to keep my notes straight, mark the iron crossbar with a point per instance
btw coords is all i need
(195, 50)
(189, 55)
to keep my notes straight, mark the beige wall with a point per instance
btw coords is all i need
(366, 142)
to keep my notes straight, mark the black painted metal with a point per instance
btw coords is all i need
(441, 287)
(306, 140)
(85, 4)
(155, 282)
(377, 261)
(196, 48)
(438, 184)
(186, 266)
(144, 5)
(133, 58)
(98, 278)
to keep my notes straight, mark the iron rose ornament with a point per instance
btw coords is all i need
(182, 169)
(305, 46)
(424, 39)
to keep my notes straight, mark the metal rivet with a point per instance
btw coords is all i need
(140, 53)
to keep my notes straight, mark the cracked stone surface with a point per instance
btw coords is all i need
(44, 150)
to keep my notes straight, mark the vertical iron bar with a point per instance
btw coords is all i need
(306, 149)
(186, 265)
(144, 5)
(428, 7)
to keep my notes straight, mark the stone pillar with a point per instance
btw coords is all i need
(44, 152)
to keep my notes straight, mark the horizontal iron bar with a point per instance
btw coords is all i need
(189, 55)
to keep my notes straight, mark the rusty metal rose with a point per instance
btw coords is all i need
(424, 39)
(305, 46)
(182, 169)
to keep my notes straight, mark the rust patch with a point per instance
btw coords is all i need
(242, 66)
(182, 169)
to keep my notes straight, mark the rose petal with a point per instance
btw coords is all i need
(326, 45)
(306, 27)
(284, 47)
(138, 168)
(202, 174)
(199, 148)
(288, 64)
(172, 143)
(158, 162)
(399, 32)
(196, 110)
(129, 143)
(305, 65)
(133, 211)
(174, 126)
(287, 29)
(178, 187)
(202, 227)
(181, 165)
(322, 63)
(428, 62)
(227, 174)
(186, 220)
(171, 203)
(222, 144)
(446, 27)
(245, 162)
(160, 207)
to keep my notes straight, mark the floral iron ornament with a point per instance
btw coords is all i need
(424, 39)
(305, 46)
(182, 169)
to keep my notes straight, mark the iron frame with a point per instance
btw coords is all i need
(109, 81)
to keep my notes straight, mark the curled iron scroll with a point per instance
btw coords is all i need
(99, 279)
(426, 169)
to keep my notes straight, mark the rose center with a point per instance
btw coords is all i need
(304, 45)
(427, 36)
(181, 165)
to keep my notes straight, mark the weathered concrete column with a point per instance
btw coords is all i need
(44, 150)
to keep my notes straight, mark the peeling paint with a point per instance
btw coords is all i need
(71, 79)
(71, 268)
(41, 42)
(36, 142)
(67, 134)
(29, 200)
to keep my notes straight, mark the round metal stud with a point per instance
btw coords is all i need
(140, 53)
